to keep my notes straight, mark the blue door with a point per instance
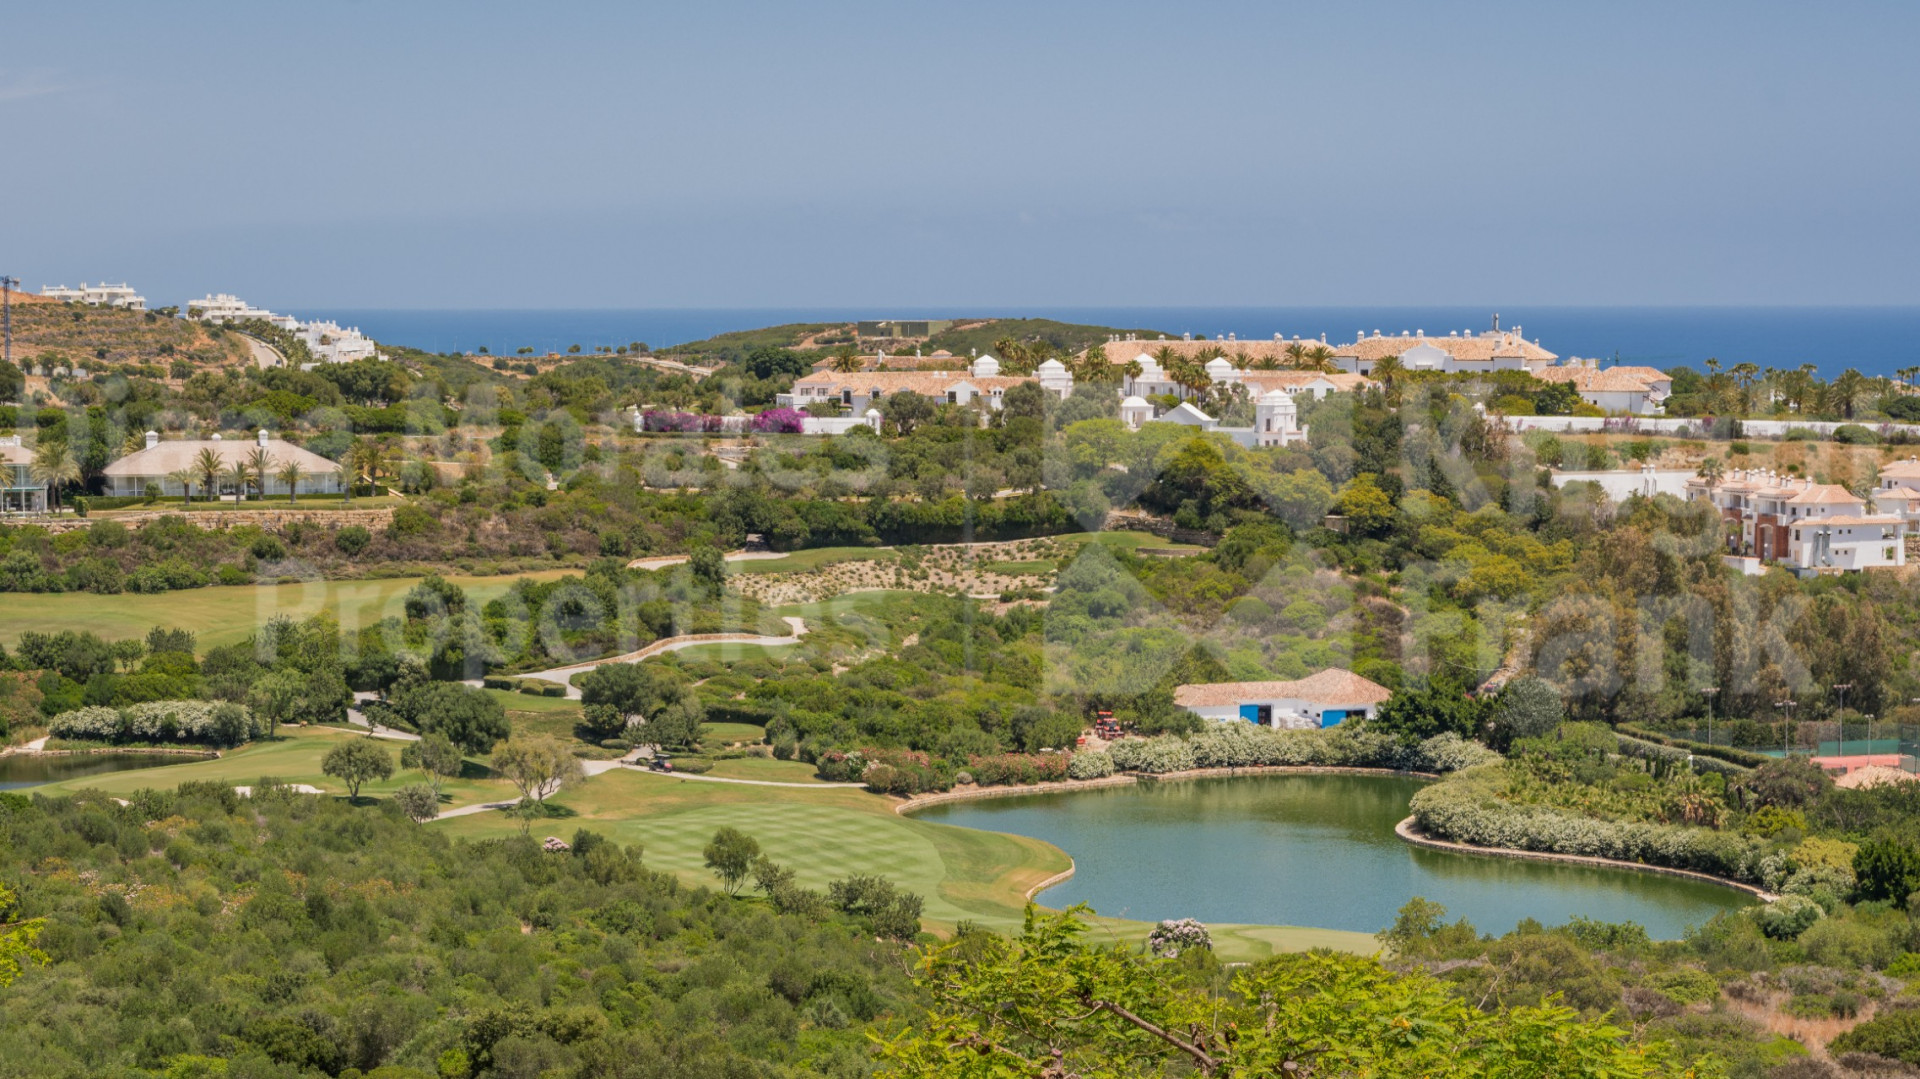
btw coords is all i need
(1250, 713)
(1332, 717)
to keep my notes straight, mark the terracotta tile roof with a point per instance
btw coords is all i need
(1873, 775)
(1908, 469)
(1824, 494)
(1608, 380)
(1480, 348)
(1332, 686)
(11, 454)
(926, 383)
(1897, 494)
(1254, 349)
(159, 460)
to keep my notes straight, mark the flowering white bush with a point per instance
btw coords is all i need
(1168, 753)
(1243, 745)
(1173, 936)
(1090, 765)
(202, 722)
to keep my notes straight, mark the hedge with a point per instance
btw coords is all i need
(1243, 745)
(1646, 750)
(1467, 809)
(1742, 757)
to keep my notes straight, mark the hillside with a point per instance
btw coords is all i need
(1068, 337)
(64, 334)
(966, 336)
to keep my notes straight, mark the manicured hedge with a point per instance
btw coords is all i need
(1647, 750)
(1742, 757)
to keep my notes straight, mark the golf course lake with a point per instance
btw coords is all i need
(1308, 850)
(32, 769)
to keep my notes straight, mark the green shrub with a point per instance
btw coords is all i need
(1687, 985)
(1787, 917)
(1853, 434)
(1893, 1034)
(1090, 765)
(693, 766)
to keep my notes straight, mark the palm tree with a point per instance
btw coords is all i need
(1849, 389)
(1712, 469)
(259, 462)
(184, 477)
(289, 474)
(1296, 355)
(239, 475)
(53, 467)
(846, 359)
(207, 465)
(1322, 358)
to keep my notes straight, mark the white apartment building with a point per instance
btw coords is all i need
(331, 343)
(859, 391)
(100, 295)
(1813, 528)
(226, 307)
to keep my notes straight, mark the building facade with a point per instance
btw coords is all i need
(860, 391)
(1637, 391)
(100, 295)
(18, 492)
(1809, 527)
(1325, 699)
(159, 462)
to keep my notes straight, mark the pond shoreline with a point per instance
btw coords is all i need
(1409, 831)
(150, 751)
(918, 802)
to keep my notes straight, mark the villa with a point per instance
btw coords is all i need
(100, 295)
(859, 391)
(1813, 528)
(18, 492)
(331, 343)
(1639, 391)
(157, 463)
(226, 307)
(1325, 699)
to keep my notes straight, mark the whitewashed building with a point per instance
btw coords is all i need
(1637, 391)
(100, 295)
(329, 342)
(18, 492)
(860, 391)
(1810, 527)
(1325, 699)
(157, 462)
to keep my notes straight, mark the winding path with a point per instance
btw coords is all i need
(564, 675)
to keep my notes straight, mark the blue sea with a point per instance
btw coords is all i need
(1876, 340)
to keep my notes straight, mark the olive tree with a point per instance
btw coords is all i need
(731, 854)
(537, 765)
(354, 762)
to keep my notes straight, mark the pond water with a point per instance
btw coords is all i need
(30, 770)
(1308, 850)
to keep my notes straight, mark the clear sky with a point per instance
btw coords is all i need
(438, 154)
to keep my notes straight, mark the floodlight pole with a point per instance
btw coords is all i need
(1786, 728)
(7, 285)
(1710, 692)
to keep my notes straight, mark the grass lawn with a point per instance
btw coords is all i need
(294, 757)
(514, 701)
(733, 651)
(715, 733)
(765, 768)
(228, 614)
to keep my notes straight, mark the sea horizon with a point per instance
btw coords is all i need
(1875, 339)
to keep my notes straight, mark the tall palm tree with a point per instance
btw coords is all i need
(259, 462)
(206, 464)
(1321, 357)
(53, 467)
(239, 475)
(1712, 469)
(184, 477)
(289, 474)
(1850, 388)
(846, 359)
(1296, 355)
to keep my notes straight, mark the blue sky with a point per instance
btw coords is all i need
(437, 154)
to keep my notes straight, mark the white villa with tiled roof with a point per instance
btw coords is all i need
(159, 460)
(1639, 391)
(1812, 527)
(1490, 350)
(1319, 700)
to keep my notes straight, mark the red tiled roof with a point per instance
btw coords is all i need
(1331, 686)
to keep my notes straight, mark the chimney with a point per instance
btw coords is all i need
(263, 437)
(153, 439)
(216, 436)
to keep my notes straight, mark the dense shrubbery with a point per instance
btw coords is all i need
(1470, 809)
(1242, 745)
(1003, 769)
(296, 936)
(214, 723)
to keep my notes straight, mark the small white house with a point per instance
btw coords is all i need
(1325, 699)
(158, 461)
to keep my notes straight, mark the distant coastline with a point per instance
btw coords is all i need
(1875, 340)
